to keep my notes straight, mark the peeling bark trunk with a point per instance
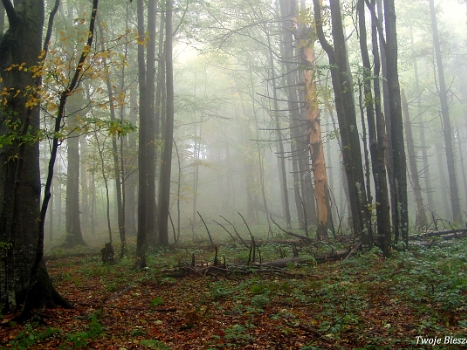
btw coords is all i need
(321, 190)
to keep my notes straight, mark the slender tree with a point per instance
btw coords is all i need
(401, 224)
(376, 131)
(446, 120)
(420, 217)
(164, 191)
(345, 109)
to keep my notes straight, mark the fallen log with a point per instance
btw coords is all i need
(282, 263)
(439, 233)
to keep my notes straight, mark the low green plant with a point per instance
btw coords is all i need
(154, 344)
(157, 301)
(260, 300)
(81, 339)
(238, 333)
(138, 331)
(30, 336)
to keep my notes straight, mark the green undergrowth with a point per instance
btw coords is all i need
(366, 299)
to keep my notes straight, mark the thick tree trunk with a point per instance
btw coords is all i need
(401, 226)
(289, 64)
(321, 190)
(377, 133)
(386, 113)
(74, 236)
(83, 146)
(20, 186)
(345, 108)
(131, 171)
(150, 124)
(166, 168)
(144, 216)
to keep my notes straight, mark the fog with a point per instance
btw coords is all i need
(241, 122)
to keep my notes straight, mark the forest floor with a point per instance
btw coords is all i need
(409, 301)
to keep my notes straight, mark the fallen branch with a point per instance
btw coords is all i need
(236, 232)
(206, 226)
(439, 233)
(306, 239)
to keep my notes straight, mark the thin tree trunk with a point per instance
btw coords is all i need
(115, 152)
(279, 142)
(426, 167)
(461, 159)
(106, 183)
(420, 218)
(446, 120)
(443, 186)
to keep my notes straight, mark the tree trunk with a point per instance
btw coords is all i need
(289, 64)
(321, 190)
(345, 108)
(386, 113)
(166, 167)
(377, 133)
(461, 158)
(83, 146)
(20, 188)
(401, 228)
(426, 167)
(150, 124)
(420, 218)
(284, 193)
(446, 121)
(74, 236)
(146, 152)
(131, 169)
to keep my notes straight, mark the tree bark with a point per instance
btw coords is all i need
(83, 146)
(345, 108)
(401, 225)
(377, 133)
(74, 235)
(166, 168)
(321, 190)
